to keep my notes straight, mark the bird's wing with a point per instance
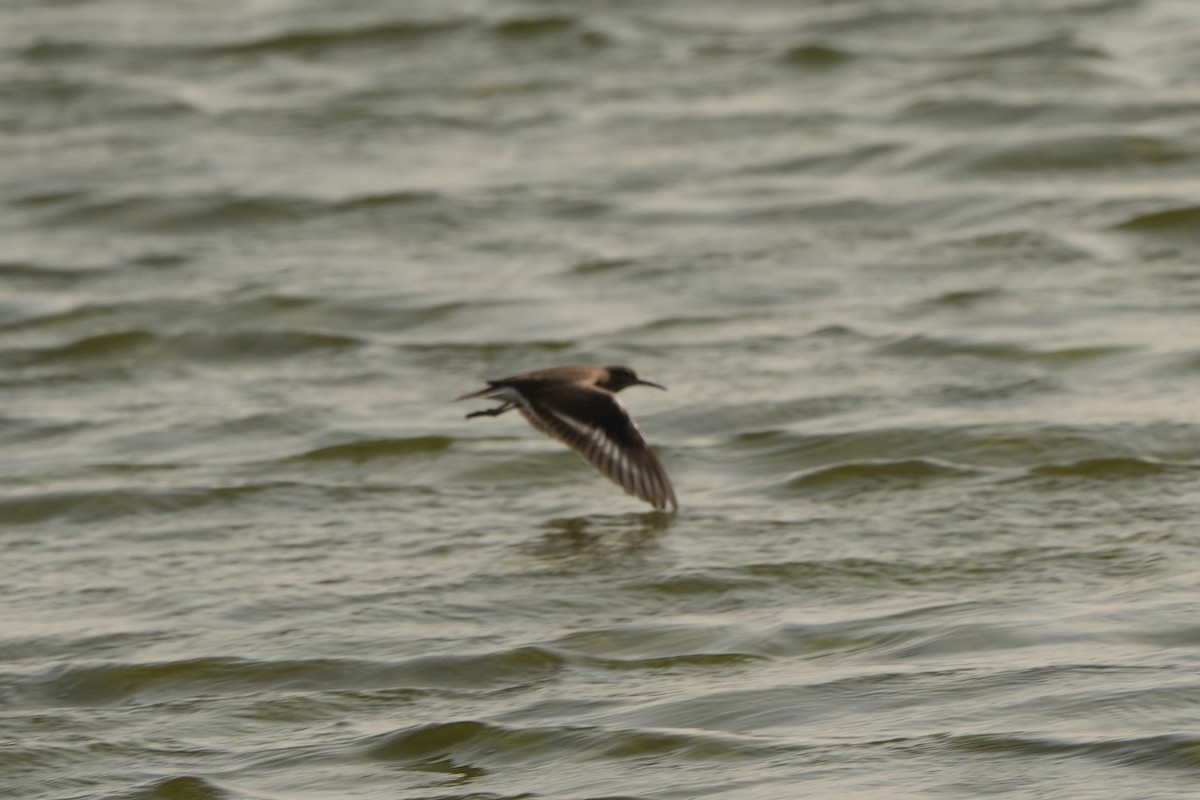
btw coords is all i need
(595, 424)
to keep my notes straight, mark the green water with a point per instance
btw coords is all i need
(921, 278)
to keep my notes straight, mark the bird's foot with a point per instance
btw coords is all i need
(491, 412)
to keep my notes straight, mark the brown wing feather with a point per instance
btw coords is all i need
(612, 443)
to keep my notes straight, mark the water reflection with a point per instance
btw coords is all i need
(595, 535)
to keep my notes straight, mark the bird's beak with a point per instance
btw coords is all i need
(648, 383)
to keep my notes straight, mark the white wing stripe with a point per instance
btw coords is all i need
(637, 472)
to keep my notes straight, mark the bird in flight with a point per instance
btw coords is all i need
(578, 405)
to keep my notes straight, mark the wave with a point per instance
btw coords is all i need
(1078, 153)
(368, 449)
(137, 344)
(1180, 222)
(911, 473)
(84, 506)
(1114, 468)
(941, 347)
(313, 41)
(474, 741)
(83, 684)
(1169, 751)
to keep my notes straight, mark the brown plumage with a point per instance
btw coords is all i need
(578, 405)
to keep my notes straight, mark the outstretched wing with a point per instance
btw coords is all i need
(595, 424)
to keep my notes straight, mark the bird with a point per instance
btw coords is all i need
(577, 404)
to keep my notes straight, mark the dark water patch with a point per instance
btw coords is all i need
(816, 55)
(704, 663)
(964, 299)
(1119, 468)
(940, 348)
(263, 345)
(991, 113)
(389, 200)
(597, 536)
(874, 476)
(183, 214)
(484, 744)
(140, 346)
(1103, 154)
(121, 318)
(522, 666)
(1170, 751)
(1181, 223)
(159, 259)
(705, 583)
(55, 49)
(126, 345)
(602, 266)
(29, 274)
(973, 112)
(371, 449)
(85, 507)
(465, 741)
(179, 787)
(272, 306)
(845, 212)
(533, 26)
(837, 331)
(322, 41)
(352, 116)
(689, 746)
(83, 684)
(47, 198)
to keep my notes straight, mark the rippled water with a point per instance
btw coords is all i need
(922, 279)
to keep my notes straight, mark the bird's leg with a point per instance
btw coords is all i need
(492, 412)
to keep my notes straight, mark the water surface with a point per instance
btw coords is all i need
(921, 278)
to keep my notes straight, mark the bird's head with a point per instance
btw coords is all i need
(620, 377)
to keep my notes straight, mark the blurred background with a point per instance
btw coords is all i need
(921, 276)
